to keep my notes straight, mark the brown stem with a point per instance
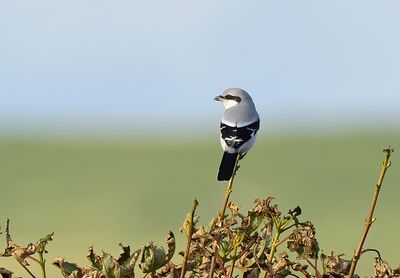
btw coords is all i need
(283, 240)
(213, 263)
(34, 259)
(273, 247)
(27, 270)
(232, 269)
(247, 248)
(228, 192)
(385, 165)
(221, 262)
(233, 262)
(189, 239)
(372, 250)
(7, 233)
(314, 266)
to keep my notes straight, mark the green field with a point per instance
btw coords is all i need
(103, 192)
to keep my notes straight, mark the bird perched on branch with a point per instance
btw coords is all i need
(239, 127)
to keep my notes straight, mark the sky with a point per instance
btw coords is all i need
(145, 66)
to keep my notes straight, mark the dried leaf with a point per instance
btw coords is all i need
(111, 267)
(234, 209)
(125, 254)
(67, 269)
(382, 269)
(5, 273)
(303, 241)
(170, 240)
(295, 212)
(153, 258)
(41, 244)
(252, 273)
(282, 265)
(262, 207)
(301, 268)
(21, 253)
(337, 266)
(95, 260)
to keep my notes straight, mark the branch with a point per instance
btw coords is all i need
(314, 266)
(386, 163)
(222, 212)
(229, 190)
(189, 233)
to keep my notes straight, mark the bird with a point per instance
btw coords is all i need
(238, 129)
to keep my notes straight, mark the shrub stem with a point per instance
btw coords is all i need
(42, 264)
(228, 192)
(280, 227)
(384, 167)
(221, 215)
(189, 234)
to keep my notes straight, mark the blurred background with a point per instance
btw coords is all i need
(108, 128)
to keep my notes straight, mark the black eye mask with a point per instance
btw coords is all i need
(235, 98)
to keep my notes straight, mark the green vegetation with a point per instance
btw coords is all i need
(102, 193)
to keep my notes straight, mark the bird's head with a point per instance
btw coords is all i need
(232, 97)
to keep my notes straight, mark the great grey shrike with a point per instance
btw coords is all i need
(239, 126)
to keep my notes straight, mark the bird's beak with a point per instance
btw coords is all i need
(219, 98)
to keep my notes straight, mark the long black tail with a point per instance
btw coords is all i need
(227, 166)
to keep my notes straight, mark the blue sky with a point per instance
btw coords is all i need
(129, 65)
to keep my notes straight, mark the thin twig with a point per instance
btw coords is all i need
(247, 248)
(274, 245)
(232, 268)
(41, 249)
(228, 192)
(314, 266)
(372, 250)
(384, 166)
(34, 259)
(213, 263)
(234, 259)
(189, 238)
(317, 273)
(283, 240)
(11, 244)
(27, 270)
(221, 262)
(7, 233)
(42, 263)
(280, 227)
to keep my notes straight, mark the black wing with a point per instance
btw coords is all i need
(235, 137)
